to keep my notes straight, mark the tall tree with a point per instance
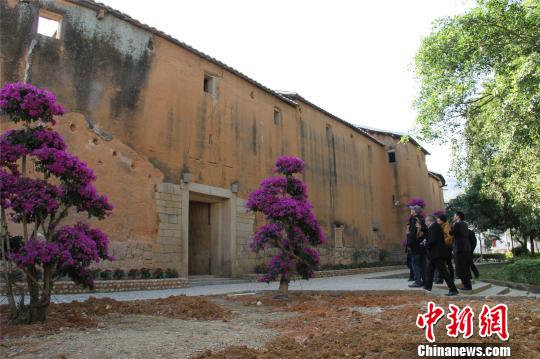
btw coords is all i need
(39, 202)
(292, 230)
(480, 89)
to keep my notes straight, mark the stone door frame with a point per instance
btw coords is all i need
(224, 225)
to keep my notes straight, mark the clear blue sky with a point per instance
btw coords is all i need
(352, 58)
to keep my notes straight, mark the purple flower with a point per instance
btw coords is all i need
(68, 168)
(439, 213)
(417, 201)
(86, 199)
(25, 102)
(67, 184)
(33, 198)
(292, 227)
(287, 165)
(35, 252)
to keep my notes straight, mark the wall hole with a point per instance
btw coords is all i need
(49, 24)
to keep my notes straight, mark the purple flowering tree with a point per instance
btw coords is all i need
(439, 213)
(60, 184)
(291, 228)
(417, 201)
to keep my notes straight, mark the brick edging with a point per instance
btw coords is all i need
(65, 287)
(339, 272)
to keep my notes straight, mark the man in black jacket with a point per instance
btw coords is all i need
(437, 253)
(472, 240)
(462, 250)
(415, 235)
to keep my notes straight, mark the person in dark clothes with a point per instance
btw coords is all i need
(472, 240)
(462, 250)
(415, 236)
(448, 242)
(409, 258)
(437, 253)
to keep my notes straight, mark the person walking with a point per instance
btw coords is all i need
(448, 242)
(409, 260)
(437, 253)
(462, 250)
(415, 236)
(473, 241)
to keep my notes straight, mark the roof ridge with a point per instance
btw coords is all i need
(395, 133)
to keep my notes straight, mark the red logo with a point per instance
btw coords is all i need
(429, 320)
(461, 321)
(494, 321)
(491, 321)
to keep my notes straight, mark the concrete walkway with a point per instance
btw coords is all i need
(358, 282)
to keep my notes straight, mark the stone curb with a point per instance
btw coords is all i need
(65, 287)
(337, 272)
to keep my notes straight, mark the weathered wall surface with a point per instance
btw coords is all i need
(128, 179)
(410, 178)
(141, 118)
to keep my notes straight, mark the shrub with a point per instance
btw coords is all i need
(119, 274)
(526, 270)
(145, 273)
(158, 273)
(171, 273)
(133, 273)
(291, 228)
(106, 274)
(519, 251)
(260, 268)
(60, 184)
(383, 254)
(95, 273)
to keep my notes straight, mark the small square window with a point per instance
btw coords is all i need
(277, 116)
(208, 84)
(49, 24)
(392, 156)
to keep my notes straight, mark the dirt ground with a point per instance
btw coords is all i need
(308, 325)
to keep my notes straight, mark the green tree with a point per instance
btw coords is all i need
(482, 211)
(479, 76)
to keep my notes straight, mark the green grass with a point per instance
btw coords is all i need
(521, 270)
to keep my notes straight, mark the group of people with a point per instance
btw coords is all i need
(431, 245)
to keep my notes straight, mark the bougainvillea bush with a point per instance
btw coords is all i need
(416, 201)
(61, 183)
(291, 227)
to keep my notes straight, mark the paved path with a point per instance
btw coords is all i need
(357, 282)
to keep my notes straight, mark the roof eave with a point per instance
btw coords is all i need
(296, 96)
(94, 5)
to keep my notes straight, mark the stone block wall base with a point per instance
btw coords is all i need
(115, 286)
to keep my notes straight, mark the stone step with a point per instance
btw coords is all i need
(495, 290)
(478, 288)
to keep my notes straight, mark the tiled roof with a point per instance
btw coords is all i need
(394, 134)
(287, 97)
(438, 176)
(296, 96)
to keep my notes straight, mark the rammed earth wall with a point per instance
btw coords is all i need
(143, 119)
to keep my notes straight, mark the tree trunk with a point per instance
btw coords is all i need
(36, 311)
(284, 286)
(531, 239)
